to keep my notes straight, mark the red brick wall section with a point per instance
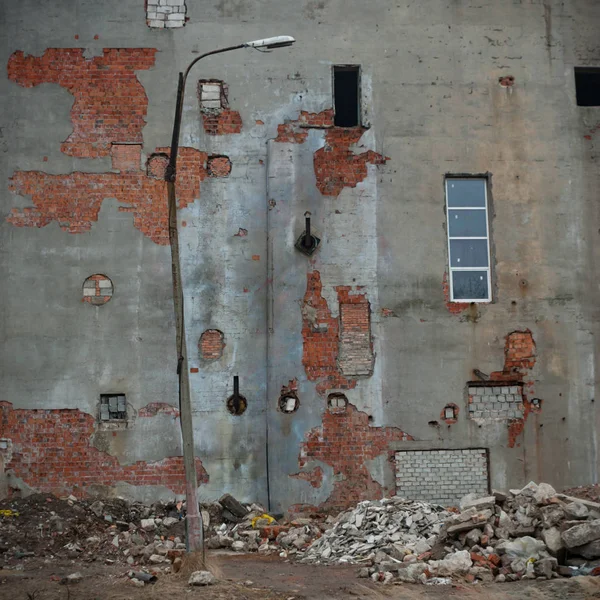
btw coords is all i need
(519, 360)
(52, 453)
(320, 333)
(74, 199)
(296, 132)
(355, 349)
(218, 166)
(96, 122)
(126, 157)
(314, 477)
(211, 344)
(346, 442)
(336, 166)
(226, 122)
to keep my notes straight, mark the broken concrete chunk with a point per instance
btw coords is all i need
(553, 540)
(477, 503)
(543, 493)
(576, 510)
(591, 550)
(581, 534)
(201, 578)
(148, 524)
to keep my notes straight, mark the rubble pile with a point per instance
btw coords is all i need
(524, 534)
(117, 530)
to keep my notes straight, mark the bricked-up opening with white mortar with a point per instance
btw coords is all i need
(165, 14)
(441, 476)
(495, 401)
(213, 95)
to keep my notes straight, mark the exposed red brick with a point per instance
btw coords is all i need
(519, 359)
(337, 167)
(320, 333)
(346, 442)
(454, 307)
(295, 132)
(126, 157)
(74, 199)
(96, 123)
(52, 453)
(157, 165)
(211, 344)
(218, 166)
(223, 123)
(158, 408)
(314, 477)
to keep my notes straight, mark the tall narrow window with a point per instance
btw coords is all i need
(587, 86)
(346, 96)
(468, 239)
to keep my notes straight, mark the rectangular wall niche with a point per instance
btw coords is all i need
(355, 352)
(496, 401)
(113, 407)
(441, 476)
(346, 95)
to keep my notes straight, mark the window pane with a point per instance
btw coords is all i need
(466, 192)
(469, 285)
(468, 253)
(467, 223)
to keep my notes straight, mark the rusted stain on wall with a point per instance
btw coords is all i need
(52, 453)
(96, 122)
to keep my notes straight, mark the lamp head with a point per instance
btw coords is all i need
(280, 41)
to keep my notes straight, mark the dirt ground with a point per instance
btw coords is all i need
(254, 577)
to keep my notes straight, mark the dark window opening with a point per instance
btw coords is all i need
(587, 86)
(346, 84)
(113, 407)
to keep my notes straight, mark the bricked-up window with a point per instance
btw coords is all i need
(487, 401)
(587, 86)
(468, 239)
(113, 407)
(355, 353)
(346, 95)
(213, 95)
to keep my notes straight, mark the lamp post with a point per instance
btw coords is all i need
(195, 532)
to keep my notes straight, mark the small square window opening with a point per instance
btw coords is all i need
(113, 407)
(587, 86)
(468, 239)
(346, 96)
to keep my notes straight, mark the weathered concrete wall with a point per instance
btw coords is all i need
(75, 205)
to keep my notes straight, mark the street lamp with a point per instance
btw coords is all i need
(195, 532)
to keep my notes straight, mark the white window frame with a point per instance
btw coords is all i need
(450, 178)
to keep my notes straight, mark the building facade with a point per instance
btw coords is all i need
(436, 334)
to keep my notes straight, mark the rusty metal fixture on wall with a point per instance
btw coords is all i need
(307, 243)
